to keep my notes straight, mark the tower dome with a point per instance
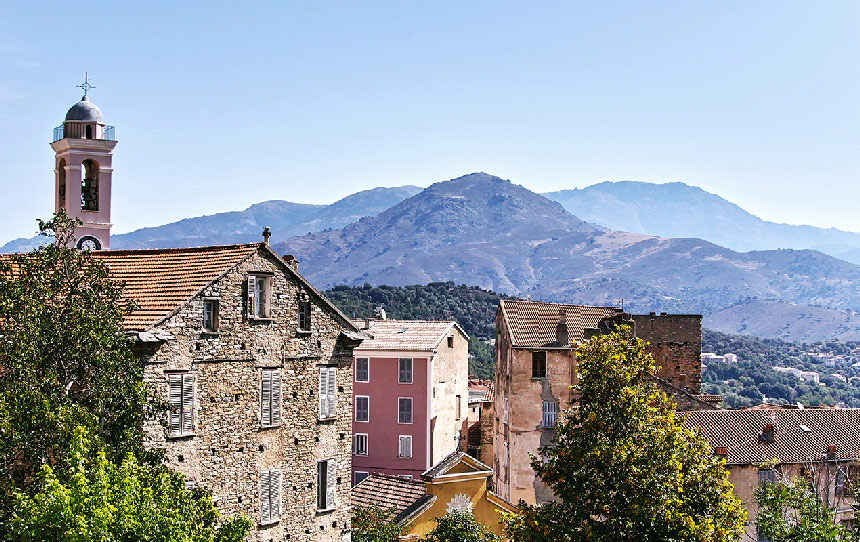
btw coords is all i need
(85, 111)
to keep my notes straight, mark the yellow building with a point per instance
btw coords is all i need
(458, 482)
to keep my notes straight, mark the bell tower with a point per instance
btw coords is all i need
(83, 147)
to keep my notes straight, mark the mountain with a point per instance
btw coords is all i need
(481, 230)
(283, 217)
(786, 321)
(680, 210)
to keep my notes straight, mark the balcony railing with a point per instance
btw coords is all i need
(108, 133)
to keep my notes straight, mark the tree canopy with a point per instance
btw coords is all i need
(622, 465)
(459, 526)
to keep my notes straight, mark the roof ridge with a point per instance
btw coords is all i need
(207, 248)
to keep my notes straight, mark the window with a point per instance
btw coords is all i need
(458, 406)
(270, 496)
(181, 399)
(506, 410)
(839, 489)
(270, 397)
(406, 476)
(404, 450)
(404, 376)
(550, 414)
(538, 364)
(362, 370)
(359, 476)
(766, 476)
(404, 410)
(328, 392)
(451, 341)
(359, 444)
(259, 296)
(325, 484)
(210, 315)
(362, 408)
(305, 315)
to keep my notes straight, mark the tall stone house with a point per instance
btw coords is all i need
(766, 444)
(536, 347)
(255, 366)
(410, 396)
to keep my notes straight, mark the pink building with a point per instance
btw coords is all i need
(410, 396)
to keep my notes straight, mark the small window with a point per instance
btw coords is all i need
(270, 398)
(359, 444)
(359, 476)
(210, 315)
(404, 449)
(327, 392)
(451, 341)
(458, 406)
(362, 369)
(538, 364)
(550, 414)
(305, 315)
(362, 408)
(766, 476)
(404, 410)
(270, 496)
(259, 296)
(506, 410)
(181, 400)
(404, 375)
(325, 484)
(839, 489)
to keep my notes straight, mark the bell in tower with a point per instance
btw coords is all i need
(83, 147)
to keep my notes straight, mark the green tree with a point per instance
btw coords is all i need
(622, 465)
(98, 500)
(459, 527)
(790, 512)
(372, 524)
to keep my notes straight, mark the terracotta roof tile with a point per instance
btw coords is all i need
(799, 434)
(410, 335)
(533, 323)
(386, 491)
(159, 281)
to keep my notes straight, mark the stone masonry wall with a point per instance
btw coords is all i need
(676, 344)
(229, 447)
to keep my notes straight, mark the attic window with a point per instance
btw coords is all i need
(210, 315)
(538, 364)
(259, 295)
(451, 341)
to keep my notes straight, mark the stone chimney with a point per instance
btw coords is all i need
(562, 338)
(266, 234)
(291, 261)
(368, 323)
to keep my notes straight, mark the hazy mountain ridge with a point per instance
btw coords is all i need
(679, 210)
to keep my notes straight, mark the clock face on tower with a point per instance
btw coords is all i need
(88, 242)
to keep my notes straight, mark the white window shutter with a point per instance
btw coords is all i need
(175, 400)
(265, 500)
(252, 289)
(276, 397)
(323, 390)
(266, 398)
(187, 403)
(330, 485)
(332, 391)
(274, 494)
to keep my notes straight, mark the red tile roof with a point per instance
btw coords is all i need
(409, 335)
(800, 435)
(160, 281)
(533, 324)
(385, 491)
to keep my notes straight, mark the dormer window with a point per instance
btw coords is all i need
(259, 296)
(210, 315)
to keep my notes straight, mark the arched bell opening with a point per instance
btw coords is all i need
(90, 186)
(61, 182)
(88, 133)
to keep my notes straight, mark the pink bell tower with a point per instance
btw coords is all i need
(83, 147)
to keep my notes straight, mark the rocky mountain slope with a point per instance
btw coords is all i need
(680, 210)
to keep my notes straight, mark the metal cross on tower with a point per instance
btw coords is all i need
(86, 84)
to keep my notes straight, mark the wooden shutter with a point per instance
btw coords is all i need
(332, 391)
(175, 400)
(252, 287)
(265, 497)
(276, 397)
(274, 495)
(264, 284)
(330, 484)
(405, 446)
(187, 404)
(266, 398)
(323, 389)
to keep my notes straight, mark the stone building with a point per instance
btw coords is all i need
(255, 365)
(819, 445)
(536, 366)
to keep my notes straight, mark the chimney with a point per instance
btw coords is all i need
(291, 262)
(562, 338)
(831, 452)
(721, 451)
(266, 234)
(368, 323)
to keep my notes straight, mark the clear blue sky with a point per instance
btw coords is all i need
(221, 105)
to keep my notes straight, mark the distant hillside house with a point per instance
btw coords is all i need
(536, 367)
(817, 444)
(256, 367)
(410, 396)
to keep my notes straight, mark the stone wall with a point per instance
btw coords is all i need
(229, 447)
(450, 374)
(676, 344)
